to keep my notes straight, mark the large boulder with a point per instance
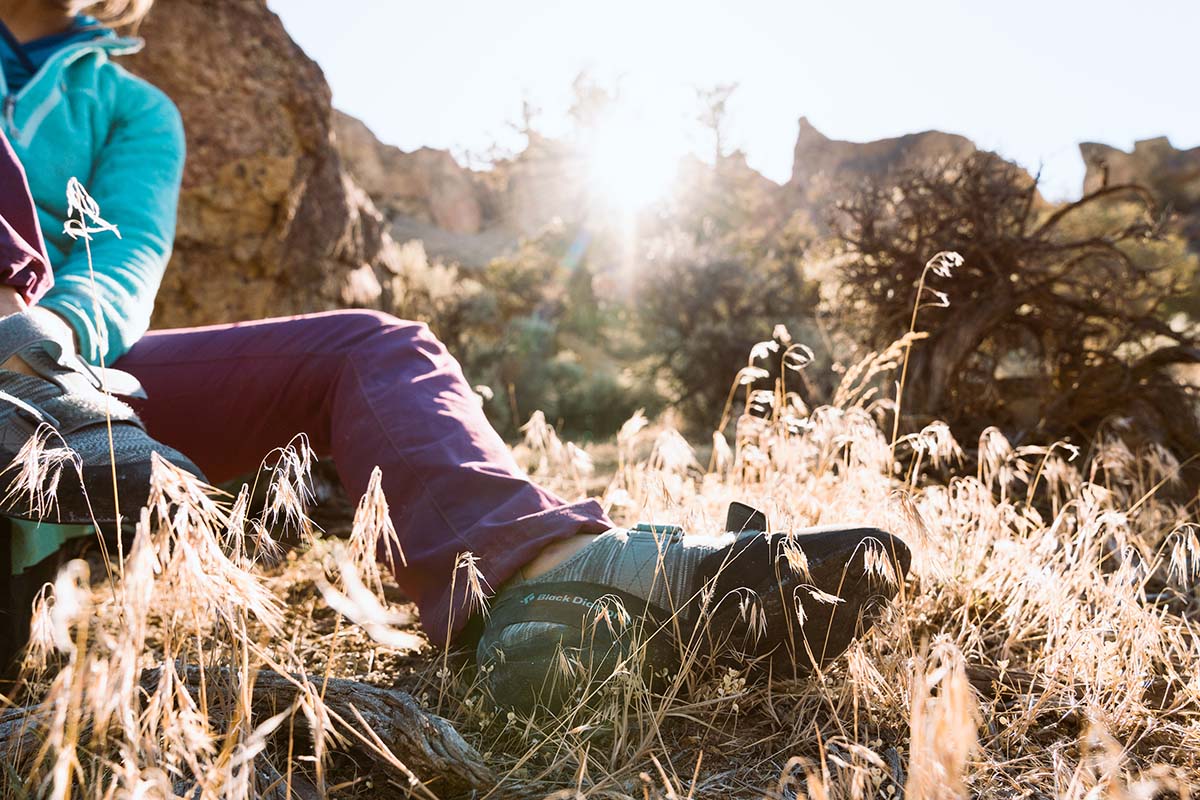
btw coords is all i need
(269, 222)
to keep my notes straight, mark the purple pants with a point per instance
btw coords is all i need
(369, 390)
(23, 262)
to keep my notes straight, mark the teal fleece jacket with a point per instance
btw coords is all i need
(83, 116)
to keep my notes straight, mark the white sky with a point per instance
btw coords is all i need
(1029, 79)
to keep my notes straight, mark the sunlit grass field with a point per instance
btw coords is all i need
(1043, 645)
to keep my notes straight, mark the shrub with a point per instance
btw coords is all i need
(700, 313)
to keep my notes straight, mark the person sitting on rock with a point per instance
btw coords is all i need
(367, 388)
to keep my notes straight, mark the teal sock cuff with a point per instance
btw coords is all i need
(34, 542)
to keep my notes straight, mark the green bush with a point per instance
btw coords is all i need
(700, 315)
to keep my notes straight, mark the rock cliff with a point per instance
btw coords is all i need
(426, 184)
(458, 214)
(269, 222)
(823, 168)
(471, 217)
(461, 215)
(1172, 175)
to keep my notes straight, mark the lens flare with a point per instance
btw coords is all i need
(632, 159)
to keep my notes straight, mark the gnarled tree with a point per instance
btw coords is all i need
(1054, 323)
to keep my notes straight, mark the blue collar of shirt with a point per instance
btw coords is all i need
(20, 62)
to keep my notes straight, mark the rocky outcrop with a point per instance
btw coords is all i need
(1172, 175)
(460, 215)
(823, 168)
(817, 158)
(427, 184)
(269, 222)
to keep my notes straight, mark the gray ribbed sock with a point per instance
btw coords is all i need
(658, 567)
(32, 324)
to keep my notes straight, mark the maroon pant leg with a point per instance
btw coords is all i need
(23, 262)
(369, 390)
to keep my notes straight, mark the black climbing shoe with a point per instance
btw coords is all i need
(636, 600)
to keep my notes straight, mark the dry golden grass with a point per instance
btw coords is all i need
(1043, 645)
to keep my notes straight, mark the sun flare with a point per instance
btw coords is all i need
(632, 158)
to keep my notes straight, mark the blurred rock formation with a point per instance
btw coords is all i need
(1172, 175)
(825, 170)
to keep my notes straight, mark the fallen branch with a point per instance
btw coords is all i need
(385, 725)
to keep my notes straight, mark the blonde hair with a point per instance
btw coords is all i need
(110, 12)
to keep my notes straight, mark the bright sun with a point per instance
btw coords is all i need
(632, 159)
